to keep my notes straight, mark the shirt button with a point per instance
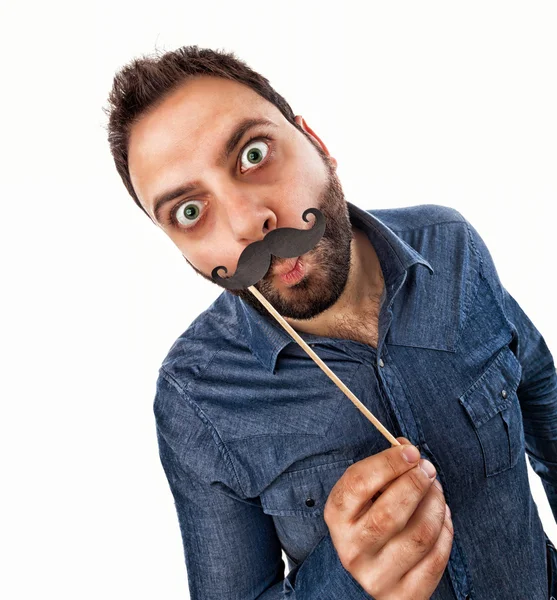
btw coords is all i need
(381, 363)
(310, 502)
(504, 393)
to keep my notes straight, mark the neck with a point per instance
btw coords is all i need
(360, 299)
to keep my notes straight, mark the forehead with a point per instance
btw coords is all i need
(186, 131)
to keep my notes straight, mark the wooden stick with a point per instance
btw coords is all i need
(323, 366)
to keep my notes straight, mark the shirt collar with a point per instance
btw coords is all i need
(266, 337)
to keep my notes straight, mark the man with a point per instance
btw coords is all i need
(263, 453)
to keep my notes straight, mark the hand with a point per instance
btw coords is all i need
(390, 525)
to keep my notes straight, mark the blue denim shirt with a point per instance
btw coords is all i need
(253, 435)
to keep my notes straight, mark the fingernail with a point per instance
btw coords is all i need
(438, 484)
(428, 468)
(447, 510)
(411, 454)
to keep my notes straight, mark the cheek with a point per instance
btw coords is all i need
(210, 254)
(302, 171)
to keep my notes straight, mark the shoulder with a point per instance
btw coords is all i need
(446, 228)
(418, 217)
(189, 358)
(442, 234)
(188, 437)
(210, 333)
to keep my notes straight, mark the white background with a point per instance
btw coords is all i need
(429, 102)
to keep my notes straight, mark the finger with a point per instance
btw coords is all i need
(408, 547)
(390, 513)
(363, 479)
(428, 572)
(402, 440)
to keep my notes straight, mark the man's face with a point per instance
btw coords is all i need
(240, 189)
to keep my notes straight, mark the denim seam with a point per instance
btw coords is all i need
(473, 244)
(407, 392)
(497, 293)
(393, 405)
(419, 227)
(469, 303)
(272, 435)
(204, 419)
(489, 281)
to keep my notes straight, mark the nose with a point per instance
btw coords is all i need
(249, 218)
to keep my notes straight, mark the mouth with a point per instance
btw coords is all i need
(291, 271)
(285, 266)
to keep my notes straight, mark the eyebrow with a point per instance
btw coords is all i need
(233, 140)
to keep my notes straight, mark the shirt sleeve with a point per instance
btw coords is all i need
(231, 548)
(537, 390)
(537, 393)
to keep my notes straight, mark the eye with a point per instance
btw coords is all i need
(187, 213)
(255, 152)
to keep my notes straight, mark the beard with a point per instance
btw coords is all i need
(326, 274)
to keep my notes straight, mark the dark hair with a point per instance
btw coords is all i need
(144, 82)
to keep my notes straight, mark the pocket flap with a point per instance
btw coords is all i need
(492, 392)
(303, 492)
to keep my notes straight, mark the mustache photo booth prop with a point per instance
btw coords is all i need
(286, 242)
(253, 264)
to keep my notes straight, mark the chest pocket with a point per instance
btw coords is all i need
(494, 410)
(296, 500)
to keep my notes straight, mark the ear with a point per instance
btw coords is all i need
(302, 123)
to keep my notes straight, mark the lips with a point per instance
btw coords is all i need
(295, 275)
(285, 266)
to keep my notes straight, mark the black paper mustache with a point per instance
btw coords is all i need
(286, 242)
